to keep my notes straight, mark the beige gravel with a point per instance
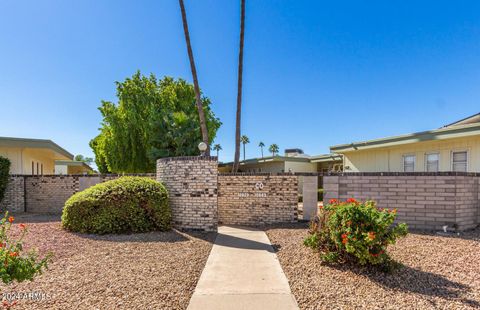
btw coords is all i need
(157, 270)
(440, 272)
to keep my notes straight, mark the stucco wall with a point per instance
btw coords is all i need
(390, 159)
(21, 160)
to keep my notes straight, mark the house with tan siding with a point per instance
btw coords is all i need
(453, 147)
(32, 156)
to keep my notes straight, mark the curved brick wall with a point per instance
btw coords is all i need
(192, 186)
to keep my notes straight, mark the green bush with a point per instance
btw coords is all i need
(4, 173)
(354, 231)
(127, 204)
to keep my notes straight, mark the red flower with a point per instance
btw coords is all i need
(351, 200)
(11, 219)
(13, 254)
(333, 201)
(344, 238)
(22, 226)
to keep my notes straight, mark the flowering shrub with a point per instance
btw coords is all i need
(354, 231)
(15, 266)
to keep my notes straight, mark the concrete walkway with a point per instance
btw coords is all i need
(242, 272)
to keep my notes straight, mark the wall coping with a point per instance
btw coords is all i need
(83, 175)
(195, 158)
(230, 174)
(430, 174)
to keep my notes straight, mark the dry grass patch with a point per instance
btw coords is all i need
(439, 273)
(157, 270)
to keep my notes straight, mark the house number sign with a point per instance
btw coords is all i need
(258, 186)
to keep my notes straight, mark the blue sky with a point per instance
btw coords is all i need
(316, 73)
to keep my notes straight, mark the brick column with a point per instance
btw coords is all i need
(192, 188)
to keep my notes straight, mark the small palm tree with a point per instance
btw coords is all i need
(261, 145)
(244, 139)
(273, 149)
(217, 148)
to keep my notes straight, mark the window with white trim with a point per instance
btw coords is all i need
(408, 163)
(459, 161)
(432, 162)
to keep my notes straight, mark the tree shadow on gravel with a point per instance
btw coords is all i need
(408, 279)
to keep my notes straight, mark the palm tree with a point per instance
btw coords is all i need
(217, 147)
(198, 99)
(273, 149)
(244, 139)
(261, 145)
(239, 88)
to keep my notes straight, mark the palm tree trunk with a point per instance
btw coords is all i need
(261, 151)
(198, 99)
(244, 152)
(239, 88)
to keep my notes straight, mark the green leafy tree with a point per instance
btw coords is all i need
(152, 119)
(87, 160)
(244, 139)
(261, 145)
(217, 148)
(273, 149)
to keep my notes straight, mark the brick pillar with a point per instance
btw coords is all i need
(192, 188)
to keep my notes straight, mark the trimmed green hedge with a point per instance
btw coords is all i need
(4, 172)
(127, 204)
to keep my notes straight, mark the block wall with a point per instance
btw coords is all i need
(423, 201)
(48, 193)
(246, 199)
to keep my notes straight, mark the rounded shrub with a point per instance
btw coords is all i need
(355, 231)
(127, 204)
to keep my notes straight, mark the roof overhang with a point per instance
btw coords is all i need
(270, 159)
(326, 158)
(438, 134)
(72, 163)
(36, 144)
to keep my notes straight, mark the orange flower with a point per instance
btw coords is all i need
(333, 201)
(351, 200)
(11, 219)
(344, 238)
(13, 254)
(371, 235)
(22, 226)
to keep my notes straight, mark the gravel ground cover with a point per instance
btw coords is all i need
(157, 270)
(439, 272)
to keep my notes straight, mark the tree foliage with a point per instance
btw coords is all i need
(4, 175)
(152, 119)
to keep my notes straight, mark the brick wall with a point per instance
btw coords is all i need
(14, 199)
(423, 201)
(253, 199)
(48, 193)
(192, 186)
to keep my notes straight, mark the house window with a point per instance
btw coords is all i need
(33, 168)
(459, 161)
(432, 162)
(38, 170)
(408, 163)
(41, 169)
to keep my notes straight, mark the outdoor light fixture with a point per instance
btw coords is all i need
(202, 146)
